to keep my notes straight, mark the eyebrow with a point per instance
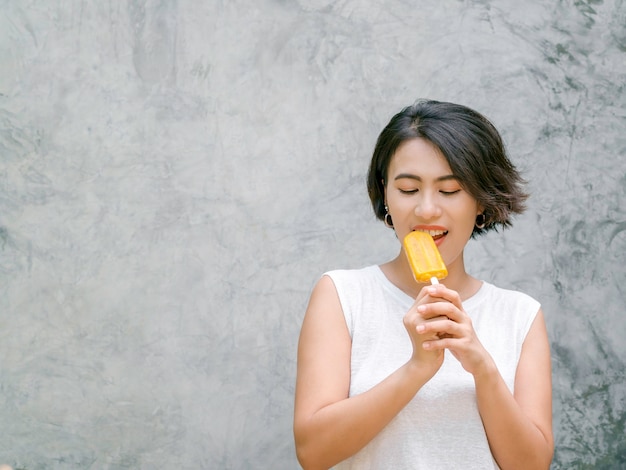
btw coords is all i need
(418, 178)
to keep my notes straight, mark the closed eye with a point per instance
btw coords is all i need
(450, 193)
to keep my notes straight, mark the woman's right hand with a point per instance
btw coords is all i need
(430, 360)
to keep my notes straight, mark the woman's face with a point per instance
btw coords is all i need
(422, 194)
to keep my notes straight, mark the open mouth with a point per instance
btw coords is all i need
(436, 234)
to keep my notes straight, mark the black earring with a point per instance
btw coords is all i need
(387, 218)
(481, 221)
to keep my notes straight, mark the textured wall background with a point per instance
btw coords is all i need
(175, 176)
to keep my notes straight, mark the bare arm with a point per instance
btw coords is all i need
(329, 426)
(519, 426)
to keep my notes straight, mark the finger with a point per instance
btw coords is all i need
(437, 325)
(438, 318)
(423, 297)
(440, 291)
(438, 309)
(444, 342)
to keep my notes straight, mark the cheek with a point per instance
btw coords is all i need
(469, 216)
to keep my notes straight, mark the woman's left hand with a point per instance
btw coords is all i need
(456, 332)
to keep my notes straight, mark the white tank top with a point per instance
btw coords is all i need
(441, 427)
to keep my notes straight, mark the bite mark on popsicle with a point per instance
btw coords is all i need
(424, 257)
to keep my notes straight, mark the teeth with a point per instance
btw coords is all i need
(434, 233)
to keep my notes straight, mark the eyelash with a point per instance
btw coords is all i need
(445, 193)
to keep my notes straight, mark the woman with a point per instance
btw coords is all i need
(400, 375)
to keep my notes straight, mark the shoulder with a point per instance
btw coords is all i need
(340, 284)
(357, 292)
(509, 297)
(354, 275)
(351, 280)
(499, 309)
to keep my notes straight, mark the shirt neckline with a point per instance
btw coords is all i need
(406, 298)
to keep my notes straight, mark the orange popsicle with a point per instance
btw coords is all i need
(424, 257)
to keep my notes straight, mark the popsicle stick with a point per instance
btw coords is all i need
(434, 280)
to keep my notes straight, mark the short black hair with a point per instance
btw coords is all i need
(473, 148)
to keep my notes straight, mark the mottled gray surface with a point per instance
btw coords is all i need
(175, 175)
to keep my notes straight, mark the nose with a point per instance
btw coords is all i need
(427, 207)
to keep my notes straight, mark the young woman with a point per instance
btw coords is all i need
(393, 374)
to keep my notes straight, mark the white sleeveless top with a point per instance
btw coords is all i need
(441, 427)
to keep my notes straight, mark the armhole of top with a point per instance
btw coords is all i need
(347, 314)
(536, 306)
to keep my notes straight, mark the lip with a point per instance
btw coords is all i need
(431, 228)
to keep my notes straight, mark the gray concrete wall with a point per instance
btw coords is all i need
(175, 176)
